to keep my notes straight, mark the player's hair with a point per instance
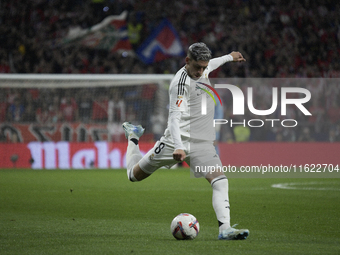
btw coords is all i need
(199, 51)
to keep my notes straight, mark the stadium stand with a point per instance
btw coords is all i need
(279, 39)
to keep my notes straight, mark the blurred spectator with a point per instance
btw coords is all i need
(43, 114)
(279, 137)
(14, 138)
(317, 118)
(241, 133)
(3, 106)
(29, 114)
(2, 137)
(333, 113)
(54, 110)
(12, 95)
(116, 116)
(85, 106)
(69, 109)
(258, 134)
(131, 114)
(16, 110)
(134, 30)
(305, 136)
(146, 104)
(116, 108)
(4, 66)
(334, 135)
(99, 108)
(30, 108)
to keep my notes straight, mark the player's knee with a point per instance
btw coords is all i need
(140, 175)
(219, 179)
(131, 176)
(214, 176)
(137, 174)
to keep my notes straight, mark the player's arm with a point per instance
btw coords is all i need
(234, 56)
(174, 118)
(177, 105)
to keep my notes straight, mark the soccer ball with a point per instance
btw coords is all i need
(185, 227)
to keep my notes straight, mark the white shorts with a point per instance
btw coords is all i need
(201, 155)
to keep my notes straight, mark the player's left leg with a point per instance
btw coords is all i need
(220, 197)
(220, 200)
(204, 156)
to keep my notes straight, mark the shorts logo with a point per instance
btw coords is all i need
(151, 156)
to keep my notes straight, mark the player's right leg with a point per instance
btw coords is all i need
(133, 155)
(139, 167)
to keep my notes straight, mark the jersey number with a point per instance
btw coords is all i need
(178, 103)
(159, 148)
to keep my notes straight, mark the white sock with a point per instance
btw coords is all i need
(220, 201)
(133, 156)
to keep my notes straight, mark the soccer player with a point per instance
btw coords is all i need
(189, 135)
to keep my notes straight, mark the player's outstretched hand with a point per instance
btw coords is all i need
(237, 56)
(179, 155)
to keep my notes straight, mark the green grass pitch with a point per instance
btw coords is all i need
(101, 212)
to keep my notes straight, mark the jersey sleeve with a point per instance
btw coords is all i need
(174, 118)
(179, 93)
(217, 62)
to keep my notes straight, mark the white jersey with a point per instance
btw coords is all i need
(186, 97)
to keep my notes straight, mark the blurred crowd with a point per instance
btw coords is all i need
(110, 106)
(279, 39)
(295, 125)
